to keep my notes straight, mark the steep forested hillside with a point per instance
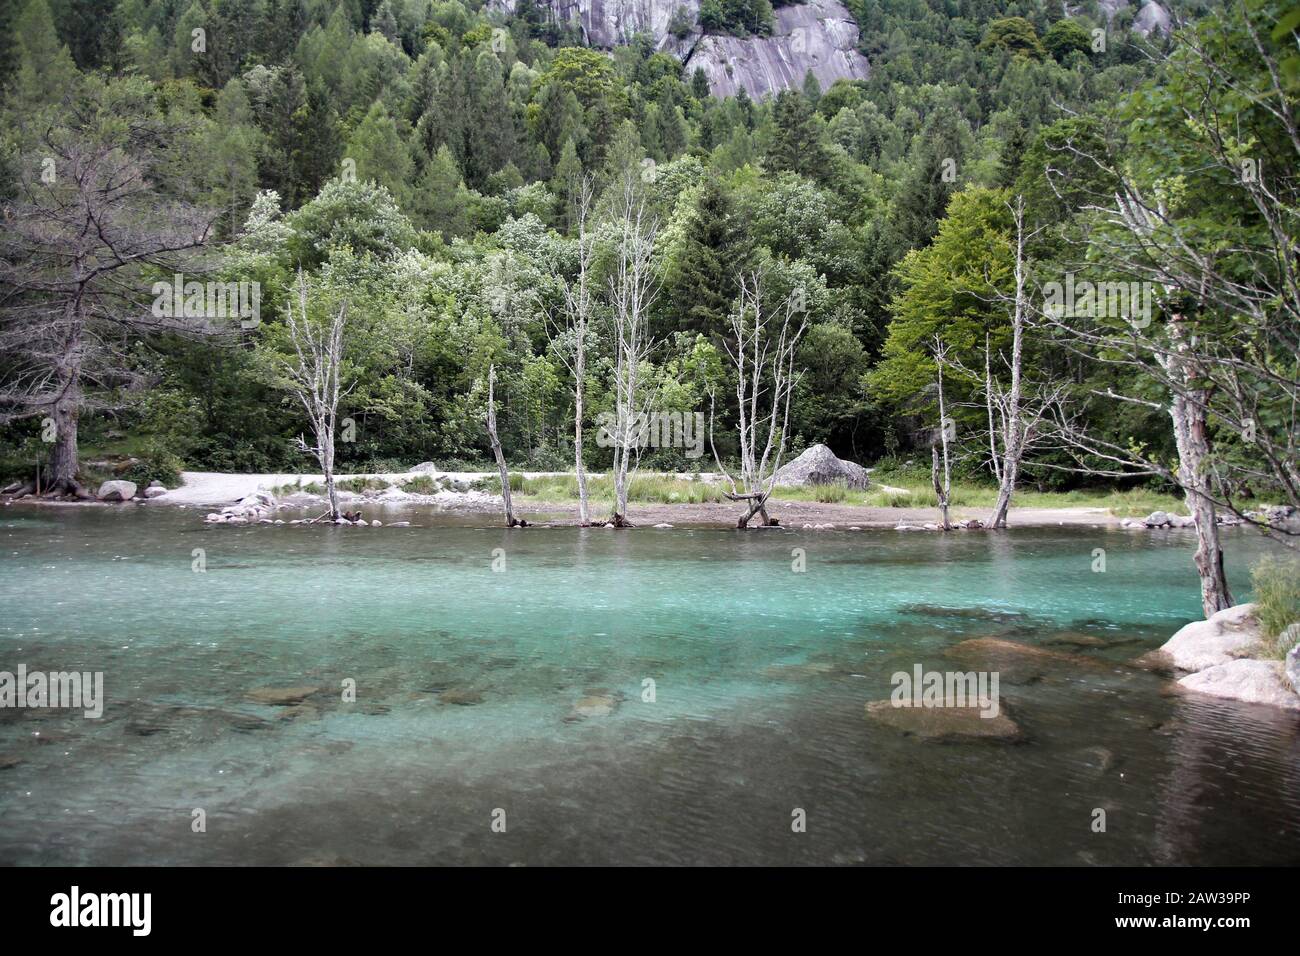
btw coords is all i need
(424, 161)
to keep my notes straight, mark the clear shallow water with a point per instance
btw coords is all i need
(761, 678)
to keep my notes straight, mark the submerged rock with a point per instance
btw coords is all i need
(461, 697)
(598, 705)
(1096, 760)
(798, 671)
(943, 723)
(1016, 663)
(282, 696)
(1075, 639)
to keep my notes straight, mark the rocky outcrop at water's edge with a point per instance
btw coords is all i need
(1221, 654)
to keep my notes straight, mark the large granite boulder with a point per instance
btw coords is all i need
(116, 490)
(1228, 635)
(819, 466)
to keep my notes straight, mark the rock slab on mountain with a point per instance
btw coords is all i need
(820, 35)
(819, 466)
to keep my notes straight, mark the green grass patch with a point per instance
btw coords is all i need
(360, 484)
(1276, 583)
(311, 488)
(421, 485)
(908, 489)
(643, 488)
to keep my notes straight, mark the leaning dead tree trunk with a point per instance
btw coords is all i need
(762, 348)
(511, 521)
(1188, 412)
(316, 378)
(632, 288)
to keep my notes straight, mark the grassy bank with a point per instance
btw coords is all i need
(897, 489)
(906, 490)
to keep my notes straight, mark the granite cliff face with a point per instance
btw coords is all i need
(1151, 18)
(819, 35)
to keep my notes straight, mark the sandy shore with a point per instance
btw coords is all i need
(213, 489)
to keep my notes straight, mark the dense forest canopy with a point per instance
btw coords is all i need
(421, 159)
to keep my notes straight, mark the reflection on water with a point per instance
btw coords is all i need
(525, 690)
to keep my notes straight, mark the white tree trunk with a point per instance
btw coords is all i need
(496, 448)
(316, 379)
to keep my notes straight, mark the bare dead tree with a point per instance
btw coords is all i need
(1007, 465)
(761, 347)
(87, 223)
(632, 290)
(942, 488)
(511, 521)
(316, 379)
(578, 307)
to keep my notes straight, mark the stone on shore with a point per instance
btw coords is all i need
(116, 490)
(819, 466)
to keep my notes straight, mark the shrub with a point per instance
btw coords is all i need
(154, 463)
(420, 485)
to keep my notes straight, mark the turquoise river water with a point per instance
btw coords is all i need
(468, 682)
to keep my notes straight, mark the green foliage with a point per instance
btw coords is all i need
(1276, 585)
(948, 290)
(1066, 37)
(1016, 35)
(154, 463)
